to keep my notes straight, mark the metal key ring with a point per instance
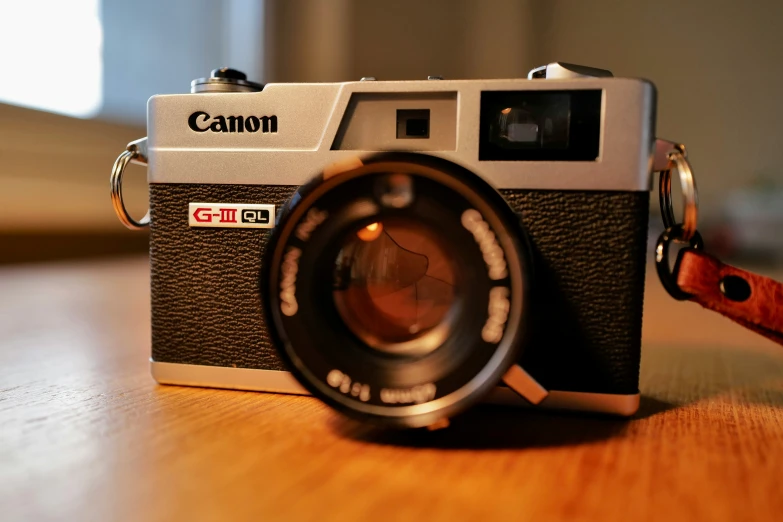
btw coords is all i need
(667, 275)
(135, 153)
(676, 157)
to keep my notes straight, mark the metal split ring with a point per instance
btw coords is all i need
(667, 275)
(670, 156)
(136, 153)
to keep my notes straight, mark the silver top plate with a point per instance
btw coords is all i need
(298, 143)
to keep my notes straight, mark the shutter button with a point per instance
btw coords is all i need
(225, 79)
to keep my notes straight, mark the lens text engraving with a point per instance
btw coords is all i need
(289, 269)
(311, 221)
(494, 257)
(415, 395)
(339, 380)
(499, 306)
(473, 221)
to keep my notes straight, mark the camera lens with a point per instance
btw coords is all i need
(394, 286)
(396, 291)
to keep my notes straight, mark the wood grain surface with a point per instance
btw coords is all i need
(86, 434)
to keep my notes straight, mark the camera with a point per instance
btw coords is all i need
(404, 249)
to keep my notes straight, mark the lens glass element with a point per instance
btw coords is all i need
(394, 286)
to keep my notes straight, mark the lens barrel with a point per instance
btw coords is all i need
(396, 291)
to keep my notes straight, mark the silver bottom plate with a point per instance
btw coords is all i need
(282, 382)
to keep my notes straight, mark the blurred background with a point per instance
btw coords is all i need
(76, 75)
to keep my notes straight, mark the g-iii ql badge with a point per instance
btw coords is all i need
(231, 215)
(200, 121)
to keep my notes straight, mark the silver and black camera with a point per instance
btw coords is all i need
(405, 249)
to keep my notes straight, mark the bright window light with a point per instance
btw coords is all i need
(52, 55)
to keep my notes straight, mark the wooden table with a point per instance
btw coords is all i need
(86, 434)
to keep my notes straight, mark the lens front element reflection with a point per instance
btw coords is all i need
(394, 286)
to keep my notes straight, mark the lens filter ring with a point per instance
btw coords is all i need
(396, 291)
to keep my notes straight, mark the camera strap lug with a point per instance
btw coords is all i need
(135, 152)
(751, 300)
(673, 156)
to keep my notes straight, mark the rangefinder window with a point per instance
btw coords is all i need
(540, 125)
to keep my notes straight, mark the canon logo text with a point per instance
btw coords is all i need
(200, 121)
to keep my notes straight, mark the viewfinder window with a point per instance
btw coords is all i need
(413, 123)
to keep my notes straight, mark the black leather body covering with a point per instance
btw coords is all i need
(585, 315)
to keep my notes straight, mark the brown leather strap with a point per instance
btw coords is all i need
(754, 301)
